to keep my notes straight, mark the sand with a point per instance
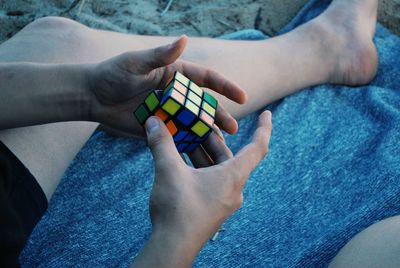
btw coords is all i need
(389, 14)
(210, 18)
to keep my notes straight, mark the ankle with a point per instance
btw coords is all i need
(348, 45)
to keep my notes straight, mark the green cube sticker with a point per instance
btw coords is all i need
(152, 101)
(171, 106)
(196, 89)
(142, 114)
(200, 129)
(210, 99)
(181, 78)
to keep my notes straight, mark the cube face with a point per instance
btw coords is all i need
(190, 106)
(196, 89)
(152, 101)
(210, 100)
(172, 127)
(181, 78)
(208, 108)
(200, 128)
(171, 106)
(161, 114)
(186, 117)
(142, 114)
(194, 98)
(149, 107)
(186, 109)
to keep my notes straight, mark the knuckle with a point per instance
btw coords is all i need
(264, 149)
(260, 149)
(157, 139)
(234, 202)
(239, 201)
(236, 174)
(210, 73)
(158, 55)
(130, 57)
(237, 184)
(208, 77)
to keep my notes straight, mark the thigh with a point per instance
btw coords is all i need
(47, 150)
(376, 246)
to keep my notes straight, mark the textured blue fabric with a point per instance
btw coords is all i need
(333, 169)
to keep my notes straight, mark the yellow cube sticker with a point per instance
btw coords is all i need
(171, 106)
(209, 109)
(200, 129)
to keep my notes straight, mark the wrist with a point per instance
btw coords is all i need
(76, 100)
(66, 96)
(34, 93)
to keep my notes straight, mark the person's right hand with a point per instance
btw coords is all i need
(188, 205)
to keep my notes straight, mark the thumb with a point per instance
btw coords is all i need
(163, 55)
(161, 144)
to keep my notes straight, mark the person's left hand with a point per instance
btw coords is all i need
(117, 86)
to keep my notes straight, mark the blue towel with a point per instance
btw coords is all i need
(333, 170)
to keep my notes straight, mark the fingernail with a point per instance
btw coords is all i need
(177, 40)
(268, 116)
(152, 125)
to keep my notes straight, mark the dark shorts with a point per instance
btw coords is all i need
(22, 204)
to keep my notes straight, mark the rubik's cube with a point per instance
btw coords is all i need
(186, 109)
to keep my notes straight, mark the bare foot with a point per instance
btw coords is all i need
(349, 27)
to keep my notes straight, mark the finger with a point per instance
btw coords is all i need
(200, 158)
(161, 144)
(218, 132)
(225, 120)
(205, 77)
(161, 56)
(216, 148)
(249, 157)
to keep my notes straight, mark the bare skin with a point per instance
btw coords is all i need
(336, 47)
(330, 48)
(107, 92)
(187, 205)
(376, 246)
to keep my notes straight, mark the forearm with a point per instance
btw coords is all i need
(32, 94)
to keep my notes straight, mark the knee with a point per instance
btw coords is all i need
(59, 23)
(56, 26)
(58, 29)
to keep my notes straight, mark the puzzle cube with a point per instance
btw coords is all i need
(186, 109)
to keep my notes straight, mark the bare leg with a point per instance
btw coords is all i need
(376, 246)
(336, 47)
(47, 150)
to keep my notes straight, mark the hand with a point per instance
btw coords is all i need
(187, 205)
(118, 85)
